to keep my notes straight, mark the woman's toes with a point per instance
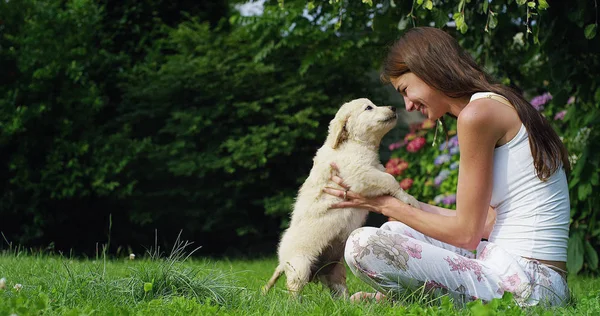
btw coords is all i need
(365, 296)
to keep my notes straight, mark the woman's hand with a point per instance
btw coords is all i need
(377, 204)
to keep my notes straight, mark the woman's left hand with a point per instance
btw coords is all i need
(355, 200)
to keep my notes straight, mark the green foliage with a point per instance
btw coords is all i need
(58, 143)
(231, 110)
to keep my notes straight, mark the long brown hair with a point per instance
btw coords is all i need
(436, 58)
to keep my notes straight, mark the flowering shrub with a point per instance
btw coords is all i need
(427, 172)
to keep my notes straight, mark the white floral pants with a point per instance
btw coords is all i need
(397, 258)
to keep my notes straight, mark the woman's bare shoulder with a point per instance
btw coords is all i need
(480, 112)
(486, 118)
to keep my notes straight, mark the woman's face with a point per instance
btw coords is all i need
(420, 97)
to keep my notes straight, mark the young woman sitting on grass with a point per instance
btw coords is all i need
(512, 190)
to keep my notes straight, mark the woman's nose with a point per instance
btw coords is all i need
(408, 104)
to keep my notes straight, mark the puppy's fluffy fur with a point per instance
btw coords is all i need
(313, 246)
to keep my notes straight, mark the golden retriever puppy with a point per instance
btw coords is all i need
(313, 246)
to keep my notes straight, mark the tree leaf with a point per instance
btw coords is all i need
(521, 2)
(591, 255)
(531, 4)
(590, 31)
(403, 23)
(575, 253)
(485, 5)
(428, 5)
(459, 18)
(440, 17)
(583, 191)
(543, 5)
(493, 21)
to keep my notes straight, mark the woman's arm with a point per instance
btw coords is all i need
(436, 209)
(489, 221)
(478, 132)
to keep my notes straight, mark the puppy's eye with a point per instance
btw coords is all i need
(369, 108)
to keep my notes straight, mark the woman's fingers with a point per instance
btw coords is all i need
(350, 198)
(345, 204)
(335, 192)
(340, 182)
(335, 167)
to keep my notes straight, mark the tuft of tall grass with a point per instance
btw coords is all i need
(167, 277)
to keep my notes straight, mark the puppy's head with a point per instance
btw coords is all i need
(362, 121)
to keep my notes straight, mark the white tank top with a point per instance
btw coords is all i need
(532, 215)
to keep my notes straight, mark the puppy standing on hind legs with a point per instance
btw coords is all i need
(312, 247)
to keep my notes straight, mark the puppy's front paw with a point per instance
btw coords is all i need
(408, 199)
(412, 201)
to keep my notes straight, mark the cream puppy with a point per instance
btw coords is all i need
(313, 246)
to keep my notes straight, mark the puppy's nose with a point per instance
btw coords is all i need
(392, 108)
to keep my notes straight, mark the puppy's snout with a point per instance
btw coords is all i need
(392, 108)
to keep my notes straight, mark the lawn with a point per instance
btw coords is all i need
(160, 286)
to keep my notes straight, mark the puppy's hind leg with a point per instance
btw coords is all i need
(297, 272)
(335, 280)
(274, 278)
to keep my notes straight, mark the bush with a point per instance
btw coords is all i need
(426, 168)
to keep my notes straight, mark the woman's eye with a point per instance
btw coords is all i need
(369, 108)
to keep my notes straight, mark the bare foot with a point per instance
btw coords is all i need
(365, 296)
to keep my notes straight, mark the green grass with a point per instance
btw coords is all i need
(175, 286)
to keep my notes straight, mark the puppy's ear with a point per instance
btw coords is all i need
(341, 135)
(338, 133)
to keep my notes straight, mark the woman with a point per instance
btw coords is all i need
(512, 169)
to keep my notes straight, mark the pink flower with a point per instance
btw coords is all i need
(539, 101)
(462, 264)
(560, 115)
(415, 144)
(571, 100)
(393, 162)
(432, 285)
(414, 250)
(427, 124)
(395, 145)
(406, 183)
(409, 137)
(509, 284)
(403, 166)
(484, 253)
(396, 166)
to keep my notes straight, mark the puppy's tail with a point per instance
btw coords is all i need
(274, 278)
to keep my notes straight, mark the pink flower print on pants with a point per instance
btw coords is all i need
(414, 250)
